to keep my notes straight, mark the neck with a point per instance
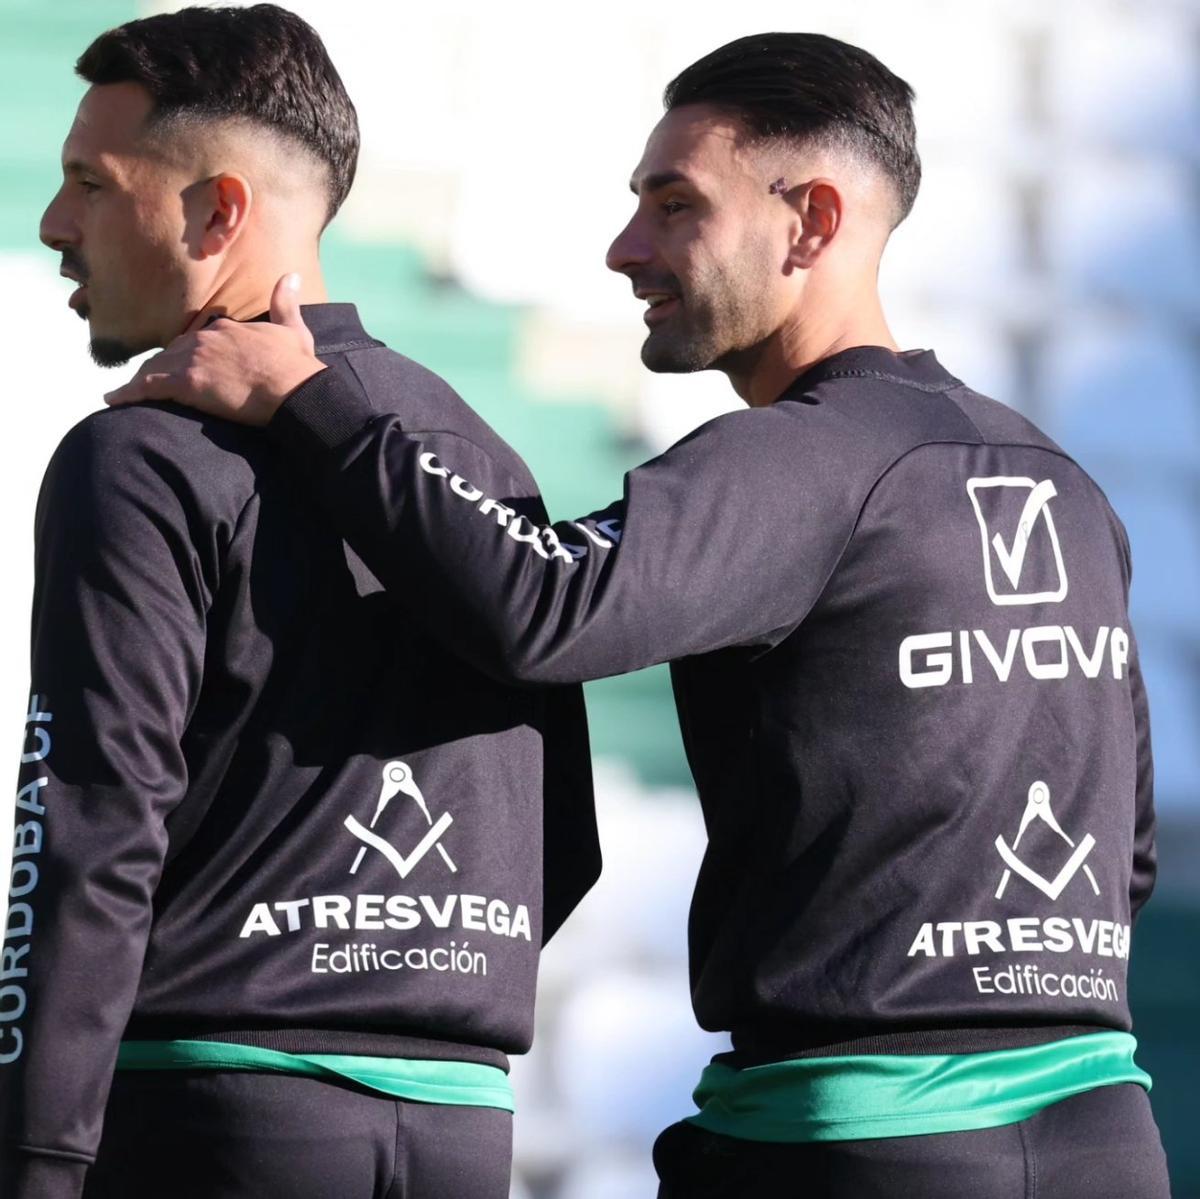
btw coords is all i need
(821, 326)
(244, 292)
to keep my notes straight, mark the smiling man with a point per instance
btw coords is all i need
(897, 620)
(278, 855)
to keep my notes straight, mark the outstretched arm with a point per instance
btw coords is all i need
(727, 539)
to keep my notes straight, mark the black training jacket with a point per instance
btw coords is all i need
(257, 802)
(897, 620)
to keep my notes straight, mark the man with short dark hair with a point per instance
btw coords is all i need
(898, 626)
(278, 856)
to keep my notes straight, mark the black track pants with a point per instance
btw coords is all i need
(1103, 1144)
(229, 1135)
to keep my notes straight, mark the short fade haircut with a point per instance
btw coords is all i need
(807, 88)
(261, 64)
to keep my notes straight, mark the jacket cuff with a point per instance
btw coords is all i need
(36, 1176)
(324, 412)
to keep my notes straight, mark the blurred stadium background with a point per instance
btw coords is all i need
(1053, 260)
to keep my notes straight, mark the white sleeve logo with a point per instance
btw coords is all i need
(1013, 537)
(542, 539)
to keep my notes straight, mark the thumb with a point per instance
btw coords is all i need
(285, 304)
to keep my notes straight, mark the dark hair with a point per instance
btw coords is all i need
(810, 88)
(261, 64)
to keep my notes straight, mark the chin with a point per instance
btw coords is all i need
(111, 351)
(664, 357)
(111, 347)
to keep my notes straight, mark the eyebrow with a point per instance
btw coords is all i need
(76, 166)
(652, 183)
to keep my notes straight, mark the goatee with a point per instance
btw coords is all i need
(108, 351)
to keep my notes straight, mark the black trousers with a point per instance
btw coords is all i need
(230, 1135)
(1103, 1144)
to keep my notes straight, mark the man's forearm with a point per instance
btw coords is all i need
(688, 561)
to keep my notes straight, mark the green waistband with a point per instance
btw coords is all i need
(868, 1096)
(465, 1084)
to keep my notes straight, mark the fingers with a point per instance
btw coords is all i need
(228, 368)
(285, 310)
(198, 322)
(141, 388)
(285, 303)
(154, 380)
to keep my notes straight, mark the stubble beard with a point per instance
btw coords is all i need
(705, 335)
(675, 354)
(690, 340)
(724, 313)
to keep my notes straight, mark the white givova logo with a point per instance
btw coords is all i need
(1005, 549)
(398, 780)
(1037, 807)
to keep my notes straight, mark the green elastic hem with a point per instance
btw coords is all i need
(464, 1084)
(900, 1095)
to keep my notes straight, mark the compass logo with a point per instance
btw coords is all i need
(1037, 807)
(398, 780)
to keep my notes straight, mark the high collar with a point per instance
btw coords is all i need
(909, 368)
(335, 327)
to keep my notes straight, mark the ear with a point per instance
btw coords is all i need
(818, 204)
(228, 201)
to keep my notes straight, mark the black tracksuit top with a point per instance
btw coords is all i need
(257, 802)
(897, 620)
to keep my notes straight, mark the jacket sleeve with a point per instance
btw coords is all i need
(727, 539)
(117, 651)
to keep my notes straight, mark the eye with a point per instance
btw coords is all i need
(88, 186)
(671, 207)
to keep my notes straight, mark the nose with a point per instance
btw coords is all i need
(630, 249)
(57, 229)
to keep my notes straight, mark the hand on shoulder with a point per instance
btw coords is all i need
(242, 371)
